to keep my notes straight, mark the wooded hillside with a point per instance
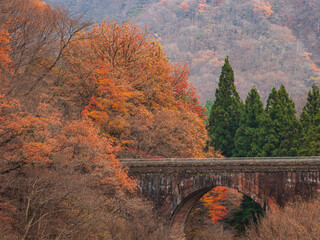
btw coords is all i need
(269, 42)
(75, 97)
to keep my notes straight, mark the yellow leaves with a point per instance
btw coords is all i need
(314, 79)
(263, 7)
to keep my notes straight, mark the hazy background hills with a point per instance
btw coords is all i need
(268, 42)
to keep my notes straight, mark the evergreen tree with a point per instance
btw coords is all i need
(208, 107)
(283, 128)
(249, 212)
(310, 122)
(251, 127)
(224, 117)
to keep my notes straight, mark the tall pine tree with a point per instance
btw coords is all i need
(251, 127)
(283, 136)
(224, 117)
(310, 122)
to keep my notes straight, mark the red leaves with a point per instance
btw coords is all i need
(212, 200)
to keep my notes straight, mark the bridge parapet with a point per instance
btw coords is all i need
(224, 164)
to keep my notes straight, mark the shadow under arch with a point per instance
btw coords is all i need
(182, 211)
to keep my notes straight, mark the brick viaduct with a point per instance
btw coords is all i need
(175, 185)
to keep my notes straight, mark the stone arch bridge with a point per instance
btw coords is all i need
(175, 185)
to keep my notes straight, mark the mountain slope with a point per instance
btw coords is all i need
(268, 42)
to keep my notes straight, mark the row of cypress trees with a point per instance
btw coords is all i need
(250, 130)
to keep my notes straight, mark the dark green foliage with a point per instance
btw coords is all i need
(282, 127)
(310, 122)
(224, 116)
(249, 212)
(251, 127)
(208, 106)
(312, 107)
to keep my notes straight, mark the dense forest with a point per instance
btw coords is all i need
(269, 42)
(76, 96)
(249, 130)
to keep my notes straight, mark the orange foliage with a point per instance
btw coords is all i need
(82, 143)
(202, 5)
(135, 85)
(40, 4)
(184, 92)
(39, 138)
(185, 6)
(212, 200)
(109, 107)
(25, 137)
(314, 66)
(5, 62)
(263, 7)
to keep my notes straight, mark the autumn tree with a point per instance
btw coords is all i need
(225, 113)
(39, 35)
(5, 62)
(62, 179)
(184, 92)
(136, 90)
(59, 176)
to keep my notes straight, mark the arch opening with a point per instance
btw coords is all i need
(181, 213)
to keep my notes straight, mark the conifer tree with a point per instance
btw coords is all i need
(249, 212)
(224, 117)
(251, 127)
(283, 137)
(310, 122)
(208, 106)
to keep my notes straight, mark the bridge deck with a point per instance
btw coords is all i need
(225, 164)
